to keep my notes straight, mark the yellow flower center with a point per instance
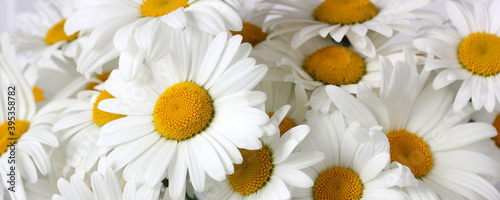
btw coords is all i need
(345, 11)
(479, 53)
(156, 8)
(496, 124)
(38, 94)
(57, 34)
(101, 117)
(338, 183)
(251, 34)
(335, 65)
(285, 125)
(103, 77)
(253, 173)
(182, 111)
(11, 132)
(411, 151)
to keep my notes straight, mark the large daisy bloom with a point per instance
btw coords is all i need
(137, 25)
(468, 53)
(189, 113)
(42, 35)
(356, 164)
(425, 134)
(358, 20)
(321, 62)
(104, 186)
(23, 124)
(270, 172)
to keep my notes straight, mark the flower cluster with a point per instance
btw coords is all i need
(237, 99)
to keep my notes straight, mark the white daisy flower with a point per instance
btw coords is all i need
(356, 20)
(468, 53)
(357, 162)
(137, 25)
(104, 186)
(272, 171)
(24, 125)
(321, 62)
(184, 113)
(424, 133)
(80, 126)
(42, 35)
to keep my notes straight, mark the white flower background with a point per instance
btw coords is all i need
(10, 8)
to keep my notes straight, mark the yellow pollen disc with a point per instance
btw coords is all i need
(411, 151)
(479, 53)
(19, 128)
(156, 8)
(103, 77)
(496, 124)
(101, 117)
(285, 125)
(182, 111)
(251, 34)
(253, 173)
(57, 34)
(345, 11)
(338, 183)
(38, 94)
(335, 65)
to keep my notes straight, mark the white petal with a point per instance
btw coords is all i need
(469, 185)
(177, 172)
(374, 166)
(397, 175)
(243, 75)
(469, 161)
(303, 159)
(130, 61)
(123, 154)
(463, 96)
(350, 106)
(457, 17)
(293, 177)
(123, 130)
(211, 58)
(196, 172)
(494, 15)
(460, 135)
(211, 163)
(382, 193)
(162, 159)
(176, 19)
(288, 142)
